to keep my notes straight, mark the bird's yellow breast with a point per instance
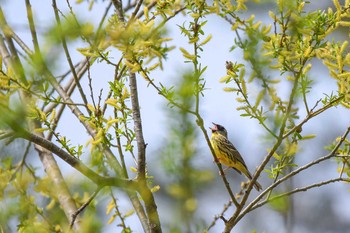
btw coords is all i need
(225, 156)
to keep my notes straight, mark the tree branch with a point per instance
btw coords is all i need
(152, 224)
(141, 146)
(293, 173)
(81, 208)
(297, 190)
(76, 163)
(312, 114)
(235, 217)
(49, 163)
(69, 60)
(151, 207)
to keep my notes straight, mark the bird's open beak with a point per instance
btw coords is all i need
(215, 128)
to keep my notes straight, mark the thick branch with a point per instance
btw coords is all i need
(141, 146)
(151, 207)
(152, 224)
(63, 194)
(64, 197)
(77, 164)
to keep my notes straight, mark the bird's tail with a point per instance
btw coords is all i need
(257, 186)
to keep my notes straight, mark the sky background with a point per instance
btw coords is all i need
(219, 107)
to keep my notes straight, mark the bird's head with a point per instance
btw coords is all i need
(219, 129)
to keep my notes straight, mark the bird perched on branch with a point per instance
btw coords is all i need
(227, 154)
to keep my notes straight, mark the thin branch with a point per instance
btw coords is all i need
(17, 39)
(23, 162)
(133, 15)
(252, 108)
(221, 215)
(313, 114)
(90, 87)
(118, 5)
(15, 61)
(117, 77)
(69, 60)
(293, 173)
(297, 190)
(118, 213)
(100, 25)
(32, 28)
(81, 208)
(235, 217)
(71, 84)
(149, 6)
(305, 102)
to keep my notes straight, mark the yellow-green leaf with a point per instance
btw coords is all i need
(310, 136)
(155, 188)
(112, 102)
(111, 219)
(206, 40)
(133, 169)
(230, 89)
(110, 207)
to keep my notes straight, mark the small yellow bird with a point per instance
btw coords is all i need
(227, 154)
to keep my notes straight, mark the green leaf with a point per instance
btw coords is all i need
(310, 136)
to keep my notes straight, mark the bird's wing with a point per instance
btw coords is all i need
(232, 151)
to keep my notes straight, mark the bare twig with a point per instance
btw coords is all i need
(69, 60)
(220, 216)
(118, 5)
(81, 208)
(297, 190)
(312, 114)
(149, 6)
(137, 8)
(71, 84)
(117, 209)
